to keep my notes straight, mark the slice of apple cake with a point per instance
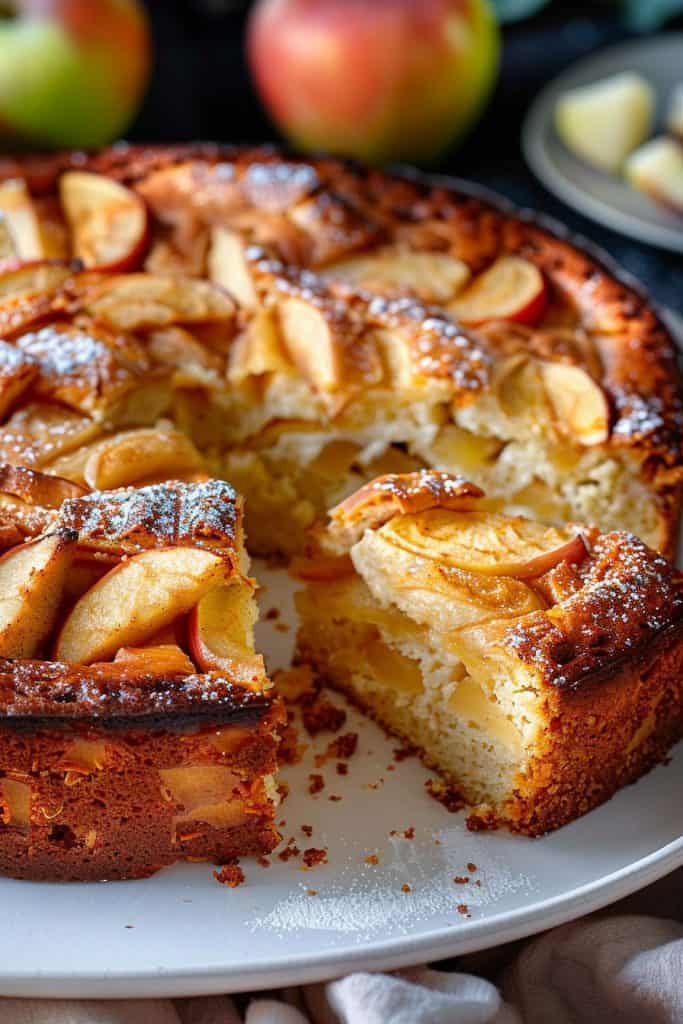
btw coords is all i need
(537, 667)
(137, 725)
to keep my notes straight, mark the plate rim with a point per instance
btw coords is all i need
(384, 955)
(534, 149)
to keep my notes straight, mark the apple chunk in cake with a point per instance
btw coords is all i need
(537, 667)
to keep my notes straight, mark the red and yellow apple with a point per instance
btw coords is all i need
(72, 72)
(390, 80)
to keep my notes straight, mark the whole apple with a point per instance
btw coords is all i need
(376, 79)
(72, 72)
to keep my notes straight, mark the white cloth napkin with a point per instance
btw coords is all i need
(621, 967)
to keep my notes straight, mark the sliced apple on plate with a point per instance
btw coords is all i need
(32, 579)
(510, 289)
(109, 223)
(431, 276)
(221, 632)
(485, 542)
(657, 170)
(603, 122)
(136, 599)
(21, 220)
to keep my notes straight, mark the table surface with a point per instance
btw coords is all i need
(201, 89)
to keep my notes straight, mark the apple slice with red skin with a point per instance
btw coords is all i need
(136, 599)
(109, 223)
(220, 633)
(511, 289)
(32, 578)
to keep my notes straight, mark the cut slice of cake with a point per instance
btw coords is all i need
(137, 724)
(538, 668)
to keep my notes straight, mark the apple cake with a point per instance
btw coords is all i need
(137, 725)
(538, 668)
(359, 323)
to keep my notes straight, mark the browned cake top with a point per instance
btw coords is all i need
(171, 513)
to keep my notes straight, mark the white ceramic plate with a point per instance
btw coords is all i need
(603, 197)
(181, 933)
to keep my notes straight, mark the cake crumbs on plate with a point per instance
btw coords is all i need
(290, 850)
(450, 798)
(295, 684)
(263, 862)
(342, 768)
(313, 857)
(372, 858)
(461, 879)
(316, 783)
(406, 888)
(307, 830)
(483, 820)
(230, 875)
(471, 867)
(290, 751)
(283, 790)
(323, 716)
(335, 798)
(272, 613)
(401, 753)
(463, 909)
(282, 627)
(311, 892)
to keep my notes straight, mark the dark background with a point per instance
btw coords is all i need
(201, 90)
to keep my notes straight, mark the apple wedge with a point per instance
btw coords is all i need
(21, 219)
(511, 289)
(229, 268)
(109, 223)
(137, 598)
(657, 170)
(431, 276)
(129, 302)
(160, 659)
(140, 455)
(485, 542)
(221, 632)
(35, 488)
(32, 579)
(39, 276)
(578, 402)
(603, 122)
(9, 253)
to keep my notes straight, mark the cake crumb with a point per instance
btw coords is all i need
(372, 858)
(323, 716)
(409, 833)
(316, 784)
(471, 867)
(290, 750)
(334, 798)
(463, 909)
(282, 627)
(342, 768)
(230, 875)
(272, 613)
(313, 857)
(406, 888)
(263, 862)
(312, 892)
(295, 684)
(461, 879)
(283, 791)
(307, 830)
(450, 798)
(290, 850)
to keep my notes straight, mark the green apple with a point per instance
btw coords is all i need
(375, 79)
(72, 72)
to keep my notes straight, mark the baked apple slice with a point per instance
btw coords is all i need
(129, 302)
(578, 402)
(21, 219)
(141, 455)
(137, 598)
(32, 579)
(221, 631)
(487, 543)
(109, 223)
(159, 659)
(511, 289)
(229, 268)
(431, 276)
